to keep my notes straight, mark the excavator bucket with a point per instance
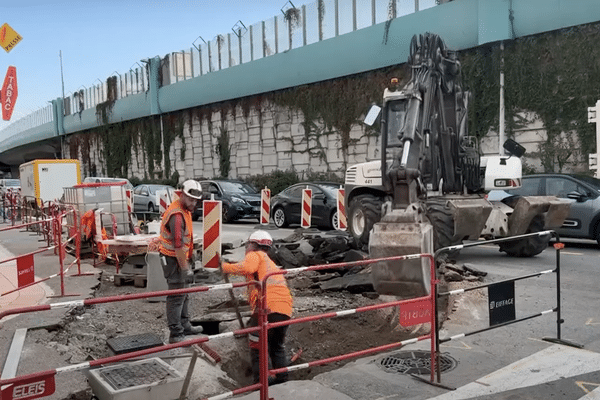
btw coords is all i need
(401, 233)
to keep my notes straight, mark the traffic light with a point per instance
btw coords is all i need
(593, 161)
(592, 114)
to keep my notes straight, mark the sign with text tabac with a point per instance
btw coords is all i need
(9, 93)
(9, 38)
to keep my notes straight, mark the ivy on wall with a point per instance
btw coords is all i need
(224, 151)
(554, 75)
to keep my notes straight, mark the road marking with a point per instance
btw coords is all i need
(464, 346)
(571, 253)
(590, 322)
(583, 385)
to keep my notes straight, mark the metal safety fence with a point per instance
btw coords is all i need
(57, 241)
(501, 295)
(425, 305)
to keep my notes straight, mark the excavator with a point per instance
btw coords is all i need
(428, 190)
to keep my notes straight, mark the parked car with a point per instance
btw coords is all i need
(240, 200)
(286, 206)
(146, 199)
(583, 192)
(99, 179)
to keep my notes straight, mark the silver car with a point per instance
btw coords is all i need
(583, 191)
(145, 198)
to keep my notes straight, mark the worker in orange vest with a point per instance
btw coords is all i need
(255, 265)
(176, 248)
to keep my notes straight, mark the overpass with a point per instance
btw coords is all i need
(315, 42)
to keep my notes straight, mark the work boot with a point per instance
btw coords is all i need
(192, 330)
(176, 339)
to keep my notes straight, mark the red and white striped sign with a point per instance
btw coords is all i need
(129, 196)
(265, 206)
(341, 206)
(211, 225)
(306, 207)
(163, 200)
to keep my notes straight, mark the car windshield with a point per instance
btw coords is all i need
(153, 188)
(12, 182)
(237, 188)
(590, 180)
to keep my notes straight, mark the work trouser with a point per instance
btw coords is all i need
(178, 317)
(276, 344)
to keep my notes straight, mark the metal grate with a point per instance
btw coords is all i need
(126, 344)
(414, 362)
(136, 375)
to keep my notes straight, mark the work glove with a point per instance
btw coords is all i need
(188, 275)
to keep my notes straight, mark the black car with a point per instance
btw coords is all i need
(239, 199)
(583, 191)
(286, 206)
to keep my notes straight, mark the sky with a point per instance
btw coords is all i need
(98, 38)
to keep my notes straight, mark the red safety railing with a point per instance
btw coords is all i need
(263, 326)
(57, 245)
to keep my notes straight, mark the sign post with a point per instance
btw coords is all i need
(593, 117)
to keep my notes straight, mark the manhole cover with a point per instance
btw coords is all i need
(137, 374)
(414, 362)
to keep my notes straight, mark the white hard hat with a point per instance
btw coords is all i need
(261, 237)
(193, 189)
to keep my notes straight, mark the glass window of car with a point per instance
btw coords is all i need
(561, 187)
(295, 191)
(237, 187)
(531, 187)
(137, 190)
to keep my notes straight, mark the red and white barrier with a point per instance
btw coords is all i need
(306, 207)
(341, 207)
(211, 226)
(163, 200)
(265, 206)
(129, 196)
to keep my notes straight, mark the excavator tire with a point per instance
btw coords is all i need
(363, 213)
(527, 247)
(441, 218)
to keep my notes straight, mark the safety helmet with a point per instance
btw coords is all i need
(261, 238)
(193, 189)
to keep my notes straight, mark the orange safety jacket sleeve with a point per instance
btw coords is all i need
(176, 226)
(255, 266)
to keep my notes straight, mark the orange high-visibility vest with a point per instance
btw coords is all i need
(254, 266)
(167, 238)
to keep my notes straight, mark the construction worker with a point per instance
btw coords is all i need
(176, 247)
(255, 265)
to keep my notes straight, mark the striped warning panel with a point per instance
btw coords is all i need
(341, 206)
(265, 208)
(163, 200)
(306, 207)
(211, 223)
(129, 196)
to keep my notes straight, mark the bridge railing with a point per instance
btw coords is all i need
(292, 27)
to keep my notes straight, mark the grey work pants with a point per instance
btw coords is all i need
(178, 317)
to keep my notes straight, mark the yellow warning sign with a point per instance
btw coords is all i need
(8, 37)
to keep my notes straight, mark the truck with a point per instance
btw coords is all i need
(44, 180)
(428, 189)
